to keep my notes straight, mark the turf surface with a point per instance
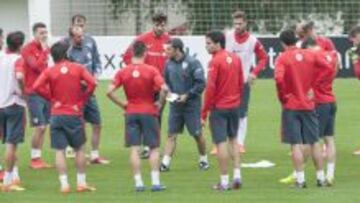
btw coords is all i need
(188, 184)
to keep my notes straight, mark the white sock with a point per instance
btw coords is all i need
(81, 179)
(320, 175)
(241, 133)
(155, 177)
(237, 173)
(138, 180)
(16, 173)
(166, 160)
(64, 181)
(203, 158)
(300, 176)
(94, 154)
(8, 178)
(35, 153)
(330, 170)
(224, 180)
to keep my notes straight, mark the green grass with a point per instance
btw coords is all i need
(185, 182)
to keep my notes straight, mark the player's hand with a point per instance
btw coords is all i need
(251, 79)
(124, 105)
(158, 105)
(203, 123)
(182, 98)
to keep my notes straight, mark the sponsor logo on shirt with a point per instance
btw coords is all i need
(185, 65)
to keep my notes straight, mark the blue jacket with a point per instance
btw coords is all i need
(86, 54)
(186, 77)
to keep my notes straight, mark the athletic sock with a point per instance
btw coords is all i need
(81, 179)
(155, 177)
(237, 173)
(64, 181)
(138, 180)
(94, 154)
(300, 176)
(224, 180)
(166, 160)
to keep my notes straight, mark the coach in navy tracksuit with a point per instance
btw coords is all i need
(184, 75)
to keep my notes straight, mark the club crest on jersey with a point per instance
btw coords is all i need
(64, 70)
(185, 65)
(136, 74)
(229, 60)
(299, 57)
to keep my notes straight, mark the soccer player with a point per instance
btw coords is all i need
(307, 29)
(36, 55)
(83, 50)
(246, 47)
(140, 82)
(66, 81)
(184, 75)
(295, 76)
(354, 54)
(222, 98)
(155, 41)
(12, 108)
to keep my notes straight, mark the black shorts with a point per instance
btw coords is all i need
(92, 112)
(12, 124)
(326, 114)
(39, 110)
(142, 129)
(244, 106)
(224, 124)
(179, 117)
(299, 127)
(67, 131)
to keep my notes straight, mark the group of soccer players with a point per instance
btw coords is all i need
(158, 69)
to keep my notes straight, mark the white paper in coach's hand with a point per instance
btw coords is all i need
(172, 97)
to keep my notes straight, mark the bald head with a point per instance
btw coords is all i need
(77, 34)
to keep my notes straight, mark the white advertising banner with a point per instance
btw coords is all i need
(112, 48)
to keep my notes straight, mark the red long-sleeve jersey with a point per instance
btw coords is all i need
(155, 55)
(295, 76)
(35, 62)
(323, 87)
(325, 43)
(225, 83)
(65, 81)
(140, 82)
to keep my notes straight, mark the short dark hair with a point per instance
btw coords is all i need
(15, 40)
(37, 26)
(288, 37)
(354, 31)
(239, 14)
(176, 43)
(77, 16)
(59, 51)
(308, 25)
(308, 42)
(217, 37)
(139, 49)
(159, 17)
